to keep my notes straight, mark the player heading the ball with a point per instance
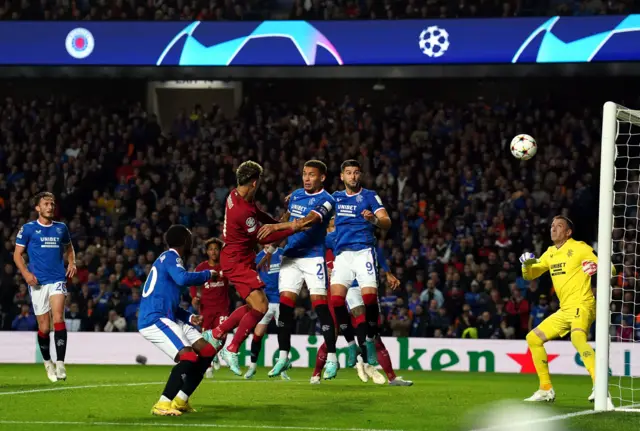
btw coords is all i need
(46, 242)
(571, 265)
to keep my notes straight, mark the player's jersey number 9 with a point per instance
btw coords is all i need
(150, 284)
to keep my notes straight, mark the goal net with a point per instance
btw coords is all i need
(618, 335)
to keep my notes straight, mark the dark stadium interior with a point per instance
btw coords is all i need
(463, 208)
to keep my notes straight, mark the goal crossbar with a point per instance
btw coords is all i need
(613, 115)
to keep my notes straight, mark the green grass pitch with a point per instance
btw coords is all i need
(120, 397)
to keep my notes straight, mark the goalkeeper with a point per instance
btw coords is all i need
(571, 264)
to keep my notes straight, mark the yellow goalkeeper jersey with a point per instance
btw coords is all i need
(572, 286)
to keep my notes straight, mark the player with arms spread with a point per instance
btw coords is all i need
(46, 242)
(358, 212)
(171, 328)
(211, 301)
(242, 220)
(571, 264)
(303, 262)
(270, 278)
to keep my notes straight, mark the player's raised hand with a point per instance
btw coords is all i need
(71, 270)
(265, 262)
(30, 279)
(392, 281)
(528, 259)
(589, 267)
(196, 320)
(368, 216)
(287, 198)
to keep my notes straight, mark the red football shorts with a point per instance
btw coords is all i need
(213, 318)
(244, 277)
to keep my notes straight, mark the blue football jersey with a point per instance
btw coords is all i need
(162, 291)
(309, 243)
(353, 231)
(45, 247)
(270, 277)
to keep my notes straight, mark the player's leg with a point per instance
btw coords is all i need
(252, 292)
(205, 352)
(321, 360)
(580, 326)
(42, 310)
(168, 337)
(219, 333)
(290, 282)
(256, 341)
(366, 268)
(211, 320)
(341, 277)
(315, 276)
(385, 362)
(57, 296)
(554, 326)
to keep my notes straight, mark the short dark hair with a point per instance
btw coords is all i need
(567, 220)
(351, 163)
(318, 165)
(42, 195)
(216, 241)
(248, 171)
(178, 236)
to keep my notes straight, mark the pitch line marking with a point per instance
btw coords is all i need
(111, 385)
(186, 425)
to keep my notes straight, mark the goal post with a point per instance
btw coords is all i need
(617, 121)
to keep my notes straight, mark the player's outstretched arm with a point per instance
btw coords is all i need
(182, 277)
(533, 268)
(590, 261)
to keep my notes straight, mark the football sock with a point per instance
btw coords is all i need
(285, 323)
(182, 396)
(185, 366)
(246, 327)
(60, 337)
(44, 343)
(321, 359)
(193, 378)
(340, 311)
(230, 322)
(256, 346)
(164, 399)
(539, 355)
(361, 334)
(348, 332)
(384, 360)
(372, 312)
(579, 341)
(326, 324)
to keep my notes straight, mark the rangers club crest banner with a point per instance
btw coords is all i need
(322, 43)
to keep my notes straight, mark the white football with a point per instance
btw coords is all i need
(523, 147)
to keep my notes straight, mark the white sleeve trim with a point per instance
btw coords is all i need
(379, 209)
(316, 212)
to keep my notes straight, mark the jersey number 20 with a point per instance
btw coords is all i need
(150, 284)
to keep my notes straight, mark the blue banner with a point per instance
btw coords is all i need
(333, 43)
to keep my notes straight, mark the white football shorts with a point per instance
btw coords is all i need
(354, 298)
(272, 313)
(41, 293)
(360, 266)
(170, 336)
(296, 271)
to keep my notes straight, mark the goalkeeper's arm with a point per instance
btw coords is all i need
(533, 268)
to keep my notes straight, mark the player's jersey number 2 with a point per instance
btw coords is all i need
(150, 284)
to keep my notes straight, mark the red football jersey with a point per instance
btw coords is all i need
(242, 221)
(214, 295)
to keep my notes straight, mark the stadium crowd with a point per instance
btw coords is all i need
(204, 10)
(463, 209)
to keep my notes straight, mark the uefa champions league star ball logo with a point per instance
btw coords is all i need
(434, 41)
(80, 43)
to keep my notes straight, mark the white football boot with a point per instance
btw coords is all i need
(51, 370)
(542, 396)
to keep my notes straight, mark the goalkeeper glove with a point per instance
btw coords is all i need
(589, 267)
(528, 259)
